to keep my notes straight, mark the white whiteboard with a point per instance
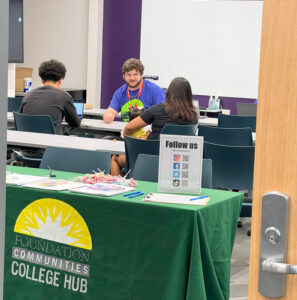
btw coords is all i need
(215, 45)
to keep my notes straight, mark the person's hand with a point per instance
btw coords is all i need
(122, 134)
(108, 118)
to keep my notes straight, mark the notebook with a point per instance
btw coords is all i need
(79, 106)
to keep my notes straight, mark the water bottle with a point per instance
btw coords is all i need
(216, 103)
(210, 103)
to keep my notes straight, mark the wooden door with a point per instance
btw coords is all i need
(276, 144)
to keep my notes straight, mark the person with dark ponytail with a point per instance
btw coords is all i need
(177, 109)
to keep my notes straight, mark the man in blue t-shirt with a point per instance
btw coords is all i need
(136, 92)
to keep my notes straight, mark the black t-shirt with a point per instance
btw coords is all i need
(156, 116)
(47, 100)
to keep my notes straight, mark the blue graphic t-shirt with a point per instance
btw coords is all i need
(151, 94)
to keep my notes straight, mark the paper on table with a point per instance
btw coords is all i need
(176, 199)
(21, 179)
(54, 184)
(102, 189)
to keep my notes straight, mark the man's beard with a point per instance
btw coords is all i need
(135, 85)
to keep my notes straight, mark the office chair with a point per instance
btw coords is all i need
(179, 129)
(14, 104)
(233, 168)
(246, 109)
(32, 123)
(226, 136)
(75, 160)
(134, 147)
(229, 121)
(146, 168)
(206, 181)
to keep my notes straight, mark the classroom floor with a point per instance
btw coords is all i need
(240, 263)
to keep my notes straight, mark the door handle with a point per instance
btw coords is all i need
(270, 265)
(273, 245)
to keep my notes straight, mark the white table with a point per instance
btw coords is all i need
(116, 126)
(42, 140)
(10, 117)
(97, 112)
(88, 125)
(208, 121)
(94, 125)
(99, 125)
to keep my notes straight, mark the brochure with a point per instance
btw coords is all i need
(54, 184)
(102, 189)
(21, 179)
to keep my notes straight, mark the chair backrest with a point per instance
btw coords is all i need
(233, 166)
(33, 123)
(206, 181)
(146, 168)
(134, 147)
(75, 160)
(179, 129)
(229, 121)
(226, 136)
(246, 109)
(14, 104)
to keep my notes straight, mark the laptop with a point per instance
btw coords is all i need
(79, 106)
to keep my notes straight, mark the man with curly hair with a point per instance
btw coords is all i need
(135, 93)
(50, 99)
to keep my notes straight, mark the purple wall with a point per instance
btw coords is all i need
(121, 40)
(226, 102)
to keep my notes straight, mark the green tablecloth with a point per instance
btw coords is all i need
(140, 250)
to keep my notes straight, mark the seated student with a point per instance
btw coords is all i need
(50, 99)
(136, 92)
(119, 161)
(177, 109)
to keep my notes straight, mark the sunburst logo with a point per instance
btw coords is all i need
(54, 220)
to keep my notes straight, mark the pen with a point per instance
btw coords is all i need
(129, 194)
(136, 195)
(200, 197)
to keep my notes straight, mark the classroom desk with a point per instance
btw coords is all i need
(42, 140)
(208, 121)
(97, 113)
(10, 120)
(139, 250)
(87, 125)
(97, 126)
(117, 126)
